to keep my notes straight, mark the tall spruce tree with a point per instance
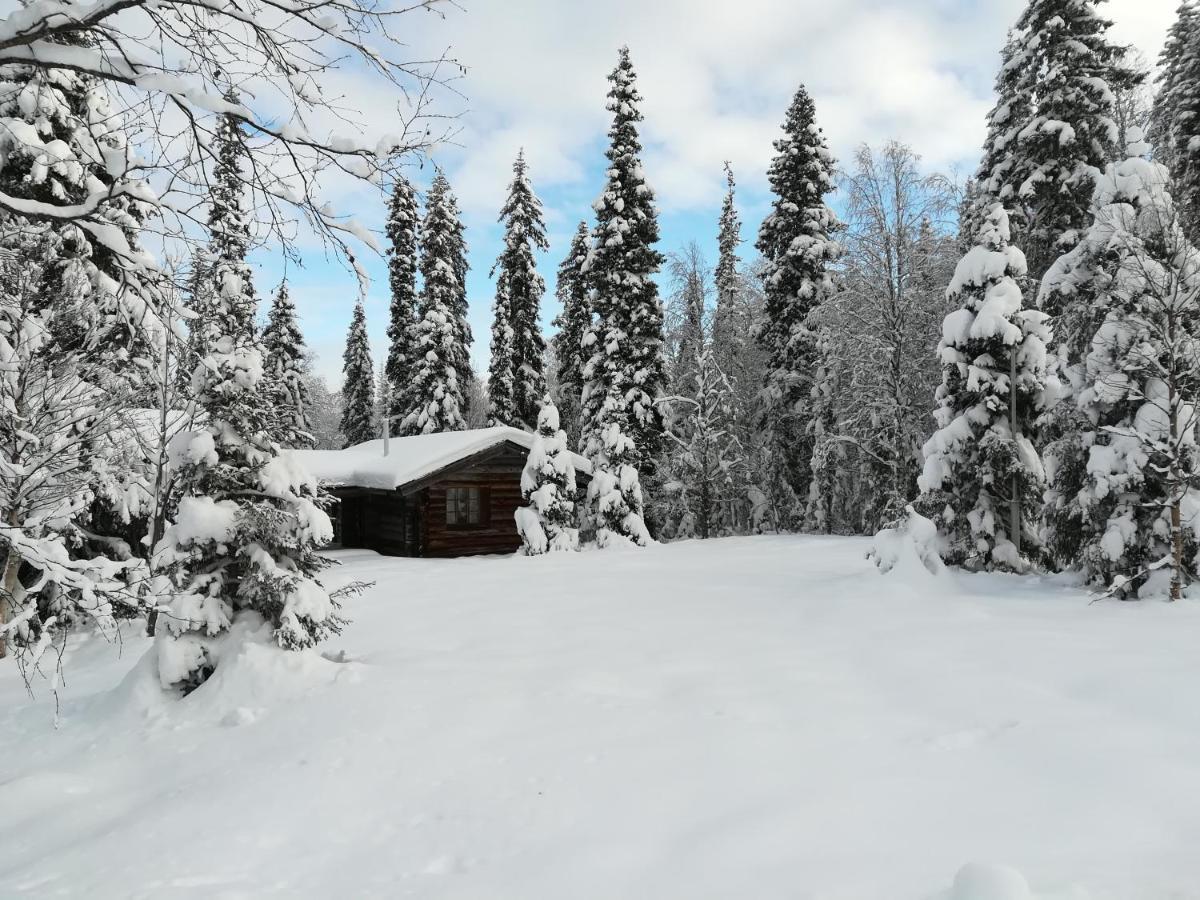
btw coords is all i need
(358, 382)
(625, 373)
(572, 324)
(797, 245)
(1175, 122)
(242, 547)
(993, 182)
(285, 383)
(1117, 479)
(982, 475)
(403, 226)
(517, 378)
(443, 372)
(727, 274)
(1055, 127)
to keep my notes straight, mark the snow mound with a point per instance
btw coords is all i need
(978, 881)
(252, 674)
(983, 881)
(911, 548)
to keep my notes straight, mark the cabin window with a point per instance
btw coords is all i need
(466, 507)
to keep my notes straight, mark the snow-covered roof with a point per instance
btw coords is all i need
(409, 458)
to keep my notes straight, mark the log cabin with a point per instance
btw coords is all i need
(437, 495)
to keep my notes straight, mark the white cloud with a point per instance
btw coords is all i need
(717, 77)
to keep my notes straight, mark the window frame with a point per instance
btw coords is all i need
(483, 496)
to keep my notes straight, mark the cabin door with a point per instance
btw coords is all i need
(412, 528)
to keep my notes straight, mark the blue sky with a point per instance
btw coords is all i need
(716, 76)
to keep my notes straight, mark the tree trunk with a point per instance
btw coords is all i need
(1176, 513)
(8, 587)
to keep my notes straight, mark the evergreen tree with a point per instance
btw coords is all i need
(443, 373)
(797, 247)
(358, 383)
(548, 486)
(1175, 122)
(285, 385)
(242, 549)
(1057, 103)
(625, 373)
(502, 407)
(980, 474)
(99, 270)
(727, 273)
(615, 491)
(572, 324)
(1122, 488)
(516, 379)
(199, 303)
(402, 229)
(994, 182)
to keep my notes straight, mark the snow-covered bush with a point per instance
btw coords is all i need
(976, 467)
(909, 545)
(615, 493)
(548, 486)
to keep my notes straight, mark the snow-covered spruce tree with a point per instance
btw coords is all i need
(1062, 132)
(58, 426)
(358, 383)
(84, 325)
(403, 225)
(1078, 283)
(443, 372)
(727, 277)
(993, 182)
(242, 548)
(548, 523)
(981, 475)
(517, 379)
(625, 373)
(1175, 121)
(197, 302)
(502, 409)
(283, 343)
(1123, 494)
(62, 142)
(796, 242)
(706, 462)
(572, 324)
(615, 493)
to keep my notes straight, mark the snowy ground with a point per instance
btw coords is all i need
(749, 718)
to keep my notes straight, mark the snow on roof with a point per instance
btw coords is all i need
(409, 458)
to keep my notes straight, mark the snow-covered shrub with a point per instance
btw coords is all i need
(548, 486)
(975, 466)
(615, 493)
(909, 545)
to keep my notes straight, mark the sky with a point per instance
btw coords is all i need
(717, 77)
